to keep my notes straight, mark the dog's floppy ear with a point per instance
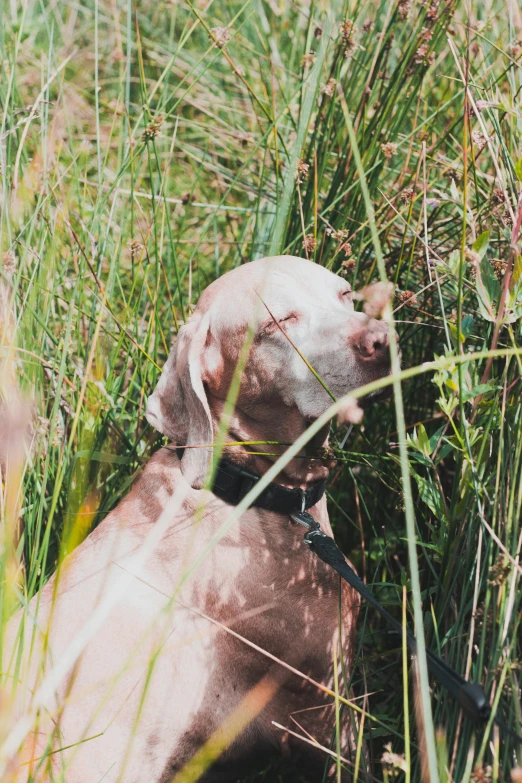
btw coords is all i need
(178, 406)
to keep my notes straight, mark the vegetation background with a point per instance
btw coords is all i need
(147, 148)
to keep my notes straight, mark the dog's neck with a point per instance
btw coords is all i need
(266, 422)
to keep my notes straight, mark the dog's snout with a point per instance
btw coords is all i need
(373, 343)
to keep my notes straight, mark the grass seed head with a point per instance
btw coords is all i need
(408, 298)
(329, 88)
(499, 268)
(308, 59)
(340, 234)
(499, 572)
(404, 8)
(481, 774)
(389, 149)
(42, 426)
(479, 140)
(309, 243)
(516, 50)
(347, 265)
(433, 9)
(219, 36)
(453, 174)
(422, 55)
(481, 618)
(58, 434)
(136, 248)
(303, 169)
(347, 31)
(9, 262)
(426, 34)
(153, 129)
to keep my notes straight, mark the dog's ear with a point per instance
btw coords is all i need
(178, 406)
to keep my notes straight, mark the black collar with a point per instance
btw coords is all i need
(232, 483)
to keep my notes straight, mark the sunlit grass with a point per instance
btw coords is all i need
(143, 154)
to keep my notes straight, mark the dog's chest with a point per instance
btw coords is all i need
(275, 597)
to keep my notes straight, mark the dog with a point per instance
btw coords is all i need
(173, 642)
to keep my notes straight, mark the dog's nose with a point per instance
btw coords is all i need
(373, 343)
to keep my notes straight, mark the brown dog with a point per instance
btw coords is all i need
(164, 630)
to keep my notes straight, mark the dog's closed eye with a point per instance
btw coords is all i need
(290, 317)
(276, 324)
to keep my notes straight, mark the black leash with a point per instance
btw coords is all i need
(470, 695)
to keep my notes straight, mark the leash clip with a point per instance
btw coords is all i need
(312, 525)
(312, 533)
(305, 519)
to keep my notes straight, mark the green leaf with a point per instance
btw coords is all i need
(434, 440)
(443, 453)
(488, 290)
(430, 494)
(486, 312)
(480, 245)
(467, 325)
(420, 441)
(482, 388)
(454, 192)
(453, 262)
(423, 440)
(417, 456)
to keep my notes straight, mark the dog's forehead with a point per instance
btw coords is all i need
(279, 283)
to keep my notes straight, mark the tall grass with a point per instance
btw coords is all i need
(146, 149)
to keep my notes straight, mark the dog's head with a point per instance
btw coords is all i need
(281, 304)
